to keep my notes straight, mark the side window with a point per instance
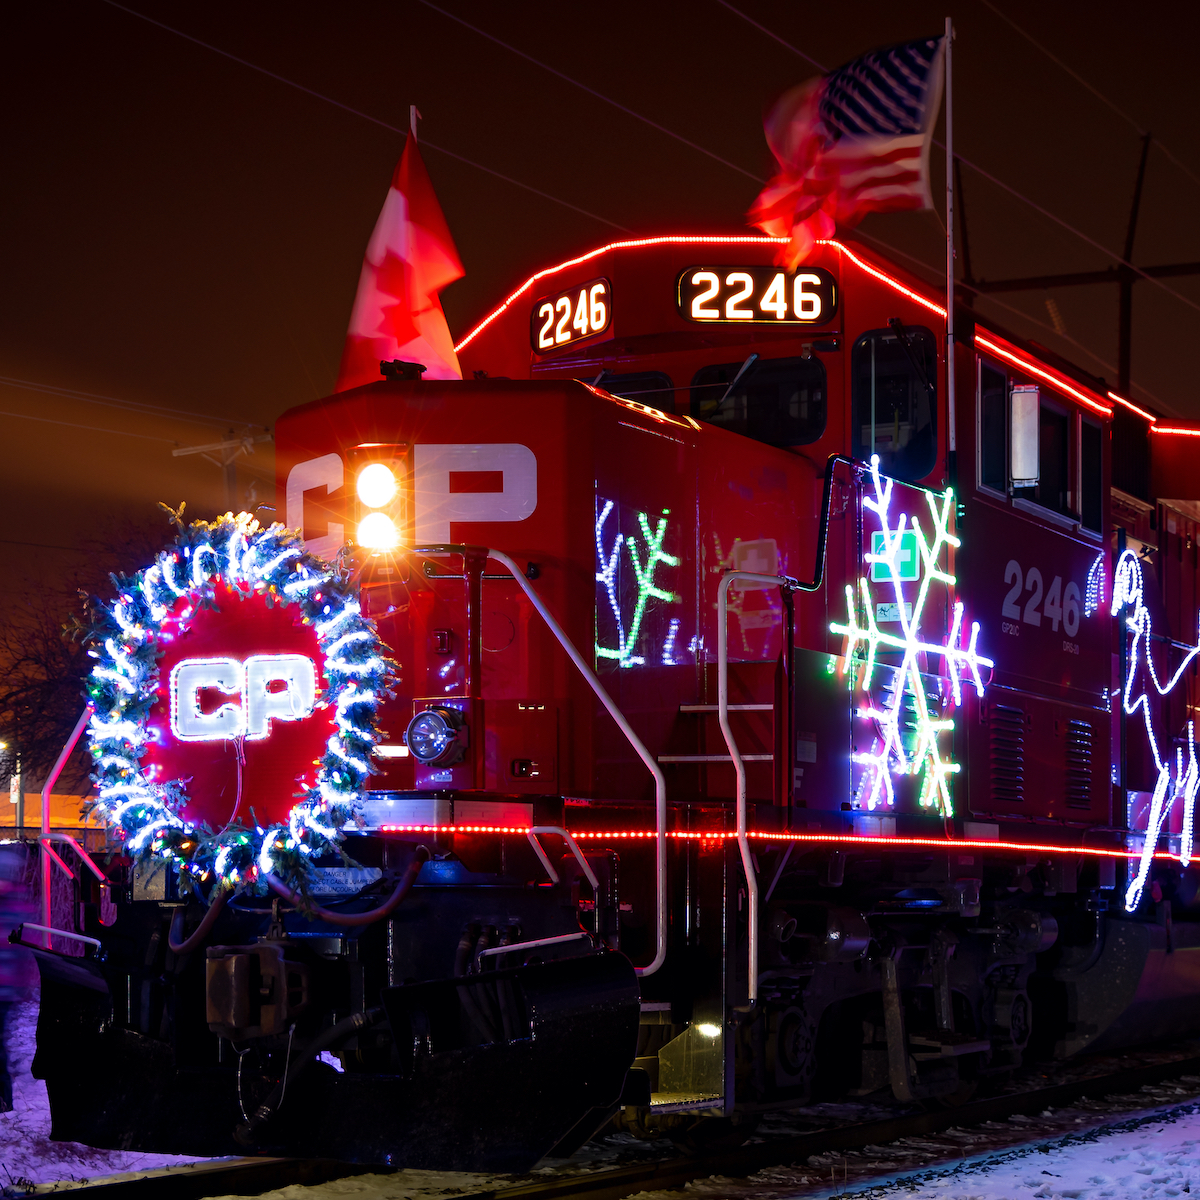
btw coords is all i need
(895, 400)
(1091, 450)
(780, 401)
(1053, 490)
(646, 387)
(993, 429)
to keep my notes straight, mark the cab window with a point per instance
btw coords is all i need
(1053, 488)
(894, 373)
(780, 401)
(652, 388)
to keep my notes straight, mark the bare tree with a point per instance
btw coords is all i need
(43, 661)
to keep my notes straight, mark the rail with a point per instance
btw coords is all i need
(660, 782)
(788, 584)
(656, 1173)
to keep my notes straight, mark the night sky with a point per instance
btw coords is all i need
(183, 234)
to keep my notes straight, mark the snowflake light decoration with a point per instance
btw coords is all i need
(959, 662)
(1184, 779)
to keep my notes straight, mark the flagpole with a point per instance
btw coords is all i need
(951, 433)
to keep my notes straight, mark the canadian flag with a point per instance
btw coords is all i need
(409, 259)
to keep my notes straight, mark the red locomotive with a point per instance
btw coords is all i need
(728, 649)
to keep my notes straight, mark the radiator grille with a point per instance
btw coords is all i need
(1008, 753)
(1079, 764)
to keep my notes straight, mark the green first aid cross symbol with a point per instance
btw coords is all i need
(908, 561)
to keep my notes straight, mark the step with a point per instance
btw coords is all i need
(712, 758)
(712, 708)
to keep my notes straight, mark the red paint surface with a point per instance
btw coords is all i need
(276, 767)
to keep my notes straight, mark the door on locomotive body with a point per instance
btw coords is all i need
(639, 543)
(775, 422)
(773, 378)
(1033, 571)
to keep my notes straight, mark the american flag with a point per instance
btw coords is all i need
(853, 142)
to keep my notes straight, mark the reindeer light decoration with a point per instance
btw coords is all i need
(1174, 779)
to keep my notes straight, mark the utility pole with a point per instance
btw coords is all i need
(16, 792)
(229, 451)
(1125, 311)
(951, 441)
(1122, 275)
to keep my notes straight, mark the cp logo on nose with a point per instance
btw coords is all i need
(252, 681)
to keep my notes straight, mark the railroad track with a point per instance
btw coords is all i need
(253, 1176)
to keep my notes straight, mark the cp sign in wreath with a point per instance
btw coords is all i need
(235, 696)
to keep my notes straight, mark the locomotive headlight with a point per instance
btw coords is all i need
(377, 531)
(381, 482)
(376, 485)
(436, 736)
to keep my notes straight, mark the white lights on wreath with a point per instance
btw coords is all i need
(1175, 777)
(123, 685)
(960, 662)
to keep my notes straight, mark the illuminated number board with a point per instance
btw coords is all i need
(765, 295)
(572, 315)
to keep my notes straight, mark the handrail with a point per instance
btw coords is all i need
(660, 782)
(47, 930)
(546, 941)
(84, 856)
(783, 581)
(572, 845)
(48, 787)
(818, 578)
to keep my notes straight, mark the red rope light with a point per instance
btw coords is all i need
(633, 244)
(845, 839)
(1027, 364)
(1175, 429)
(727, 240)
(1129, 404)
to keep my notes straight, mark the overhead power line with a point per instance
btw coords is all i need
(425, 143)
(645, 120)
(91, 428)
(990, 298)
(737, 12)
(1058, 62)
(51, 389)
(583, 87)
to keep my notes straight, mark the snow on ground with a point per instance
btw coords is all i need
(1145, 1158)
(1085, 1152)
(26, 1151)
(1157, 1158)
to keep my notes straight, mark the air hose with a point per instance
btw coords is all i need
(245, 1133)
(350, 919)
(202, 930)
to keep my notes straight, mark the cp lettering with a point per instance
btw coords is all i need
(270, 687)
(439, 471)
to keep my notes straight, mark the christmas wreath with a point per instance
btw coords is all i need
(209, 562)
